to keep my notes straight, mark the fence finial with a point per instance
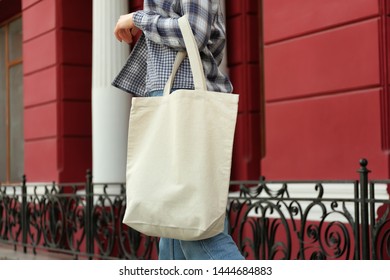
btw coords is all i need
(363, 162)
(363, 166)
(364, 240)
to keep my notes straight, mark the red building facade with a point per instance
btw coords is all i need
(326, 87)
(57, 44)
(312, 77)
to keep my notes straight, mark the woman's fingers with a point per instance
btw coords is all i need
(126, 36)
(125, 29)
(134, 31)
(116, 33)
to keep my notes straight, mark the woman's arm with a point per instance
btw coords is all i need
(165, 30)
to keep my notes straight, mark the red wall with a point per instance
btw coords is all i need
(243, 50)
(57, 56)
(135, 5)
(9, 8)
(325, 86)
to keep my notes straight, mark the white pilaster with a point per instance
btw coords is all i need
(224, 64)
(110, 106)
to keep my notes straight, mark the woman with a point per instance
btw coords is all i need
(147, 72)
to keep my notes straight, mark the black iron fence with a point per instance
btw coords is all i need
(268, 219)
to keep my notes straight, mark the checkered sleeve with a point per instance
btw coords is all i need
(164, 29)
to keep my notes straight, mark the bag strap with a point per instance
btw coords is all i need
(193, 55)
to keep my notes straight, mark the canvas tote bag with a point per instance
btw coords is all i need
(179, 156)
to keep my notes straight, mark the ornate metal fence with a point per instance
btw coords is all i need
(268, 219)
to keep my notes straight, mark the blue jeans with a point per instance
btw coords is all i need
(219, 247)
(155, 93)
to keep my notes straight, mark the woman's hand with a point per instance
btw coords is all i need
(125, 30)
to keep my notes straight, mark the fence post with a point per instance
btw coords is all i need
(24, 214)
(88, 215)
(364, 242)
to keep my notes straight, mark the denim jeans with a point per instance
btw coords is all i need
(155, 93)
(219, 247)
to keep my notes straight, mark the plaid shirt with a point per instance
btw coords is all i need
(150, 62)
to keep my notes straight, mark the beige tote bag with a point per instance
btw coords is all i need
(179, 156)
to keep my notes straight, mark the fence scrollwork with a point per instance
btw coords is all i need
(267, 219)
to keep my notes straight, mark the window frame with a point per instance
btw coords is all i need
(8, 65)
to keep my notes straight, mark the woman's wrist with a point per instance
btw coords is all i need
(137, 18)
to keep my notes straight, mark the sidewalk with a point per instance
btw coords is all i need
(7, 252)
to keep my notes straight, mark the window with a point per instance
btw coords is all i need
(11, 102)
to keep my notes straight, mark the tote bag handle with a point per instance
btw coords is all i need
(193, 55)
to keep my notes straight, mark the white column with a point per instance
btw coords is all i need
(110, 106)
(224, 64)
